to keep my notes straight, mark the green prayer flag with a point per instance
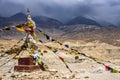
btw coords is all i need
(114, 71)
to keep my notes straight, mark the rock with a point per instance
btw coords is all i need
(13, 75)
(77, 76)
(4, 75)
(98, 70)
(30, 77)
(86, 77)
(65, 77)
(52, 73)
(37, 77)
(23, 74)
(82, 71)
(9, 71)
(72, 76)
(19, 76)
(56, 76)
(69, 76)
(46, 77)
(51, 70)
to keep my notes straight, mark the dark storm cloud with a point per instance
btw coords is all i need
(9, 8)
(64, 9)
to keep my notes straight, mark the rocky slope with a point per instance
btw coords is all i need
(90, 33)
(84, 69)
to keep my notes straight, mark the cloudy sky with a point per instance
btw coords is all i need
(107, 10)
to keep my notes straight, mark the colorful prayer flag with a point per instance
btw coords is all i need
(107, 68)
(67, 46)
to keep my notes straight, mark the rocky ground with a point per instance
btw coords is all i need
(83, 69)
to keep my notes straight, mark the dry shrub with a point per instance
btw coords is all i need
(42, 54)
(76, 57)
(13, 51)
(2, 51)
(45, 51)
(1, 47)
(39, 50)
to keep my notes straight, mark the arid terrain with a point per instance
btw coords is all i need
(102, 43)
(83, 69)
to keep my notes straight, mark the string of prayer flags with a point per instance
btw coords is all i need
(74, 50)
(84, 54)
(20, 28)
(111, 69)
(97, 60)
(55, 52)
(10, 59)
(39, 30)
(65, 63)
(11, 49)
(51, 48)
(5, 28)
(40, 62)
(51, 39)
(62, 59)
(59, 43)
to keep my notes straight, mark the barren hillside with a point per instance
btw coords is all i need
(84, 69)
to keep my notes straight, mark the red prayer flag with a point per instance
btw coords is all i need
(107, 68)
(61, 58)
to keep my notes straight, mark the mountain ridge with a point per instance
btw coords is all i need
(47, 22)
(20, 18)
(82, 20)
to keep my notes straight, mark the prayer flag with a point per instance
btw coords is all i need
(114, 70)
(67, 46)
(107, 68)
(47, 37)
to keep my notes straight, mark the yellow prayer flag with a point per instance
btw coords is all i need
(20, 29)
(39, 61)
(65, 63)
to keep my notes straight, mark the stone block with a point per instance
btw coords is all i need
(26, 61)
(26, 67)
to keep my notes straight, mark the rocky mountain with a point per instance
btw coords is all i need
(46, 22)
(3, 21)
(82, 20)
(13, 20)
(106, 24)
(19, 18)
